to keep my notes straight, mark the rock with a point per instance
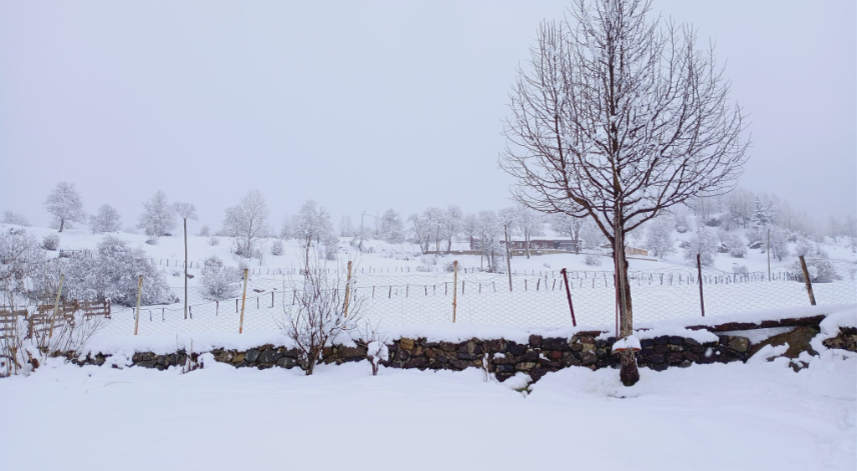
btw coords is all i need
(493, 346)
(739, 344)
(555, 343)
(447, 346)
(537, 373)
(655, 358)
(674, 358)
(252, 355)
(569, 359)
(647, 343)
(692, 343)
(287, 362)
(406, 343)
(529, 356)
(352, 352)
(662, 340)
(416, 362)
(270, 356)
(676, 340)
(555, 355)
(431, 353)
(402, 355)
(238, 358)
(515, 349)
(145, 364)
(505, 368)
(535, 341)
(661, 348)
(525, 366)
(587, 347)
(798, 340)
(588, 358)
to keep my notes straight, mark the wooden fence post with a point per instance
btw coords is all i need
(57, 306)
(807, 280)
(139, 292)
(347, 289)
(243, 301)
(454, 289)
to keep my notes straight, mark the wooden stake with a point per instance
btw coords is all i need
(139, 292)
(347, 289)
(454, 289)
(57, 306)
(807, 280)
(243, 300)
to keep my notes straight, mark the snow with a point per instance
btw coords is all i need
(736, 416)
(628, 342)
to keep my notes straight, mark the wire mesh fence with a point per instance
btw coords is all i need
(531, 300)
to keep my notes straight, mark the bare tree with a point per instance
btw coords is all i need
(185, 211)
(247, 222)
(11, 217)
(312, 223)
(618, 119)
(65, 205)
(320, 313)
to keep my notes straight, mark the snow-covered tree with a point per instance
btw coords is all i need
(740, 204)
(11, 217)
(107, 219)
(491, 235)
(312, 224)
(572, 227)
(220, 282)
(112, 272)
(529, 223)
(453, 217)
(420, 231)
(204, 231)
(391, 228)
(659, 238)
(779, 243)
(346, 227)
(247, 222)
(470, 227)
(65, 205)
(158, 218)
(760, 216)
(704, 243)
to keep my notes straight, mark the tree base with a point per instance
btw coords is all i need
(628, 373)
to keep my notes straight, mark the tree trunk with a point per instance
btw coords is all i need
(629, 374)
(62, 223)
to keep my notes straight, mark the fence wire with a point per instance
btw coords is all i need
(534, 300)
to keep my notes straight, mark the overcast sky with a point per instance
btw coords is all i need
(365, 105)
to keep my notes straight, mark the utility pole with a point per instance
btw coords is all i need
(508, 255)
(360, 247)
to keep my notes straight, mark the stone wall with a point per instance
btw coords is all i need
(846, 339)
(504, 358)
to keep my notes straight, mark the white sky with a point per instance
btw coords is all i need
(365, 105)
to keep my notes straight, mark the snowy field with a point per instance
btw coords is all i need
(759, 416)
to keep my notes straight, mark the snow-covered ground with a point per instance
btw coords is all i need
(758, 416)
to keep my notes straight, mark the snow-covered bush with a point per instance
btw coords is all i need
(51, 242)
(734, 245)
(20, 259)
(739, 269)
(704, 243)
(681, 225)
(204, 231)
(376, 346)
(820, 271)
(112, 272)
(158, 218)
(213, 241)
(277, 248)
(593, 260)
(220, 282)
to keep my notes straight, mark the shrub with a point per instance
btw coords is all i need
(277, 248)
(213, 241)
(593, 260)
(51, 242)
(220, 282)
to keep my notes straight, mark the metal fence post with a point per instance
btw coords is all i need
(454, 289)
(701, 298)
(139, 292)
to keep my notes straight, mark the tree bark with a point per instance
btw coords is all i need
(629, 373)
(62, 223)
